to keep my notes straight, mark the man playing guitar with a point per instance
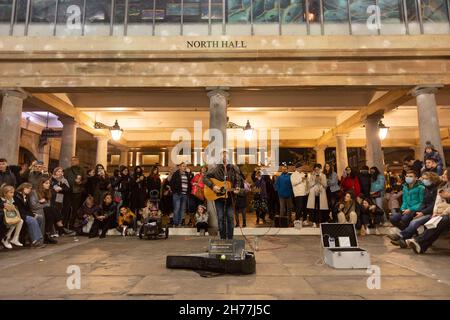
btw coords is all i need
(224, 206)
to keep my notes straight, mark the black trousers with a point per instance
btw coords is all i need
(426, 239)
(52, 215)
(98, 225)
(202, 226)
(300, 207)
(319, 216)
(75, 204)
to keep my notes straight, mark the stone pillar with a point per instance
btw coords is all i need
(320, 155)
(341, 154)
(102, 150)
(417, 154)
(68, 141)
(10, 125)
(44, 154)
(123, 157)
(374, 153)
(428, 119)
(218, 100)
(172, 161)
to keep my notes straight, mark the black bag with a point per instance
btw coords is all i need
(281, 221)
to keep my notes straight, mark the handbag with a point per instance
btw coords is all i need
(11, 217)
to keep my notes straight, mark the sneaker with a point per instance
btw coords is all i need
(7, 244)
(16, 243)
(367, 231)
(362, 232)
(206, 233)
(305, 223)
(414, 245)
(400, 243)
(202, 233)
(124, 231)
(377, 231)
(314, 225)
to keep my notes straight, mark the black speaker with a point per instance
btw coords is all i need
(281, 222)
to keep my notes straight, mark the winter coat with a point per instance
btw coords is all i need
(317, 187)
(128, 218)
(36, 206)
(201, 217)
(413, 197)
(138, 192)
(350, 184)
(35, 177)
(283, 186)
(71, 174)
(434, 155)
(8, 178)
(154, 183)
(58, 196)
(176, 182)
(22, 204)
(198, 178)
(429, 200)
(299, 181)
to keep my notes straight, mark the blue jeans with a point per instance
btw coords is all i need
(34, 230)
(226, 230)
(408, 233)
(401, 221)
(179, 207)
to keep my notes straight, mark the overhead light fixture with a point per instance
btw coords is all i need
(382, 130)
(248, 130)
(116, 131)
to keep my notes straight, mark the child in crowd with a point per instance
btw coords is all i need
(431, 153)
(201, 220)
(150, 212)
(393, 197)
(126, 221)
(11, 217)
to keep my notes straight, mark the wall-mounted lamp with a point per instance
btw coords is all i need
(116, 131)
(382, 130)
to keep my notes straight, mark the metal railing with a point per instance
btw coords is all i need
(305, 21)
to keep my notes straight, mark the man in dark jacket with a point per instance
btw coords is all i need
(224, 207)
(6, 176)
(181, 187)
(37, 173)
(76, 176)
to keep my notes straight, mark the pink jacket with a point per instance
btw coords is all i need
(197, 179)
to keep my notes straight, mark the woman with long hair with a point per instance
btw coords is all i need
(102, 183)
(41, 205)
(104, 217)
(138, 188)
(350, 181)
(22, 202)
(333, 187)
(60, 194)
(154, 184)
(347, 209)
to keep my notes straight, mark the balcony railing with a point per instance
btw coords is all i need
(222, 17)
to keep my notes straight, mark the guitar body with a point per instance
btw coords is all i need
(211, 195)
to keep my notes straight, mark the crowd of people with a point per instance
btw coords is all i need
(37, 206)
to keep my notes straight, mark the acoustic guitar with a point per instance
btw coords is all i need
(224, 187)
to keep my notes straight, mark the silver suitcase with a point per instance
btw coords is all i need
(340, 247)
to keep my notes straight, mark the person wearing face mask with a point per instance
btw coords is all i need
(431, 181)
(413, 194)
(317, 199)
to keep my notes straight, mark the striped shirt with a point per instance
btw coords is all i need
(184, 183)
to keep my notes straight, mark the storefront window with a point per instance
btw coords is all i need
(392, 16)
(168, 18)
(435, 16)
(266, 17)
(239, 17)
(5, 16)
(98, 17)
(42, 18)
(195, 17)
(335, 17)
(140, 17)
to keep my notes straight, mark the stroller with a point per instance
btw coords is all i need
(152, 228)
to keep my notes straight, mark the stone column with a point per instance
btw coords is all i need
(102, 150)
(320, 155)
(172, 161)
(218, 101)
(374, 153)
(428, 119)
(10, 125)
(44, 154)
(68, 141)
(123, 157)
(341, 154)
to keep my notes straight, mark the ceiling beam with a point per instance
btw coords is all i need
(383, 104)
(52, 103)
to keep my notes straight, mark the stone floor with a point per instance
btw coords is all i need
(288, 267)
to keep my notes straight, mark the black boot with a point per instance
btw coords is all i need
(244, 224)
(49, 240)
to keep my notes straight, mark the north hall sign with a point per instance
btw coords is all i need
(216, 44)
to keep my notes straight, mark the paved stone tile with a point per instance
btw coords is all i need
(20, 286)
(291, 286)
(409, 285)
(272, 269)
(89, 285)
(224, 297)
(189, 284)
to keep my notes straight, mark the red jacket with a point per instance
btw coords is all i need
(349, 184)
